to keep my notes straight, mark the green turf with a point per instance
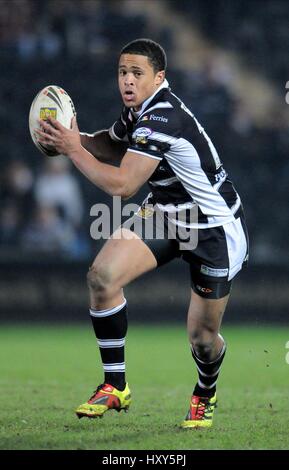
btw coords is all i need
(47, 371)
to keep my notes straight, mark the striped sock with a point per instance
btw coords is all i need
(110, 327)
(208, 374)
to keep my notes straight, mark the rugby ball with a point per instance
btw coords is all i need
(51, 101)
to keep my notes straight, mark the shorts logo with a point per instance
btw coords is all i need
(205, 290)
(141, 135)
(45, 113)
(214, 272)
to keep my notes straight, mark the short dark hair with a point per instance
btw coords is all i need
(149, 48)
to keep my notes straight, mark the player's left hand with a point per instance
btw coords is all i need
(52, 133)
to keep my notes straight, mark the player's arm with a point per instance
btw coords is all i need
(123, 181)
(103, 147)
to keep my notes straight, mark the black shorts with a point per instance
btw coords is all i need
(215, 256)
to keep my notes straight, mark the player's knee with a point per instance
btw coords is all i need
(99, 280)
(203, 350)
(203, 343)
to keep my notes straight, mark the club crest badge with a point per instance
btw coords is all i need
(45, 113)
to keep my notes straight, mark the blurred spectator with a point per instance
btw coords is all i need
(56, 187)
(241, 120)
(84, 28)
(209, 96)
(17, 181)
(9, 225)
(16, 201)
(48, 233)
(16, 189)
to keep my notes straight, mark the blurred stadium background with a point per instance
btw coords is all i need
(227, 60)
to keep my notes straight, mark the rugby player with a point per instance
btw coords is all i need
(158, 140)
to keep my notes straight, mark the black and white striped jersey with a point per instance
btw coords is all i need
(190, 172)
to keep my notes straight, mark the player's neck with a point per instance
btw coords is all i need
(145, 104)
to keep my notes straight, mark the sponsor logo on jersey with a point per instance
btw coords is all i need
(153, 117)
(45, 113)
(213, 271)
(142, 132)
(145, 118)
(141, 135)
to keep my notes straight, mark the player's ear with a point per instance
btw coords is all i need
(160, 76)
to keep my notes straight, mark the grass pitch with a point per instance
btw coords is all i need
(46, 371)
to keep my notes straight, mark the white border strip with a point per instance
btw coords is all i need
(162, 105)
(165, 182)
(113, 135)
(208, 375)
(107, 312)
(208, 387)
(117, 367)
(111, 343)
(143, 153)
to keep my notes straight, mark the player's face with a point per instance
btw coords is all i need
(137, 79)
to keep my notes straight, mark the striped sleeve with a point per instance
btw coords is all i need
(118, 131)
